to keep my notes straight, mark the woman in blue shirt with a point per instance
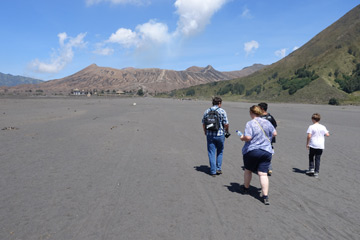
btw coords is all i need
(257, 151)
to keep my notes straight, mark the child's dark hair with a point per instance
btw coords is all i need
(316, 117)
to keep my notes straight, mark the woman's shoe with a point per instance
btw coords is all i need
(266, 200)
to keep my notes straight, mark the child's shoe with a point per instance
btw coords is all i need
(310, 172)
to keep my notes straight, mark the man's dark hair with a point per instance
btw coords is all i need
(263, 106)
(216, 101)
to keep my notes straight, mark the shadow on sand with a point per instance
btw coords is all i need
(253, 191)
(296, 170)
(203, 168)
(234, 187)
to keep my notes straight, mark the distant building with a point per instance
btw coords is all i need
(76, 92)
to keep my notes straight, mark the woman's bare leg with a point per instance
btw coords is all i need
(264, 182)
(247, 178)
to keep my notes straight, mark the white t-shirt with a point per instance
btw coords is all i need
(317, 139)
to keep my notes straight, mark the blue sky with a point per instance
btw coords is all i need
(50, 39)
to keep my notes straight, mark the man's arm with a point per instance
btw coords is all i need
(273, 121)
(226, 127)
(274, 133)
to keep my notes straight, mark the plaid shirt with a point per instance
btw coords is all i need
(224, 121)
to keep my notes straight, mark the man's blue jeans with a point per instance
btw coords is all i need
(215, 147)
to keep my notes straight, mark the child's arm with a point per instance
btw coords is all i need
(308, 140)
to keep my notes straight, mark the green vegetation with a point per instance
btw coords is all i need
(236, 88)
(190, 92)
(350, 83)
(301, 79)
(334, 101)
(140, 92)
(256, 89)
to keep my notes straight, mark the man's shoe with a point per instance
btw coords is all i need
(218, 172)
(316, 175)
(213, 175)
(310, 172)
(244, 190)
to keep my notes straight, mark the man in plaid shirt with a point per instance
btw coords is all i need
(216, 139)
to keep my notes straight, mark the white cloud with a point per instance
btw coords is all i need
(152, 40)
(104, 51)
(125, 37)
(136, 2)
(148, 33)
(296, 48)
(281, 53)
(196, 14)
(251, 46)
(246, 13)
(154, 32)
(62, 38)
(62, 57)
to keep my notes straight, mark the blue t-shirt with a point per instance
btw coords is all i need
(258, 138)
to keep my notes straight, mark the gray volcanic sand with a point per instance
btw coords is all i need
(102, 168)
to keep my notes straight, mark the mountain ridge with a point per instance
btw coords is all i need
(9, 80)
(151, 80)
(325, 69)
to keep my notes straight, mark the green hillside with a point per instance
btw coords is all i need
(327, 68)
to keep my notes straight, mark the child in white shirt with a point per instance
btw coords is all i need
(315, 142)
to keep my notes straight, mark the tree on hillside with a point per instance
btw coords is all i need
(190, 92)
(236, 88)
(302, 78)
(350, 84)
(140, 92)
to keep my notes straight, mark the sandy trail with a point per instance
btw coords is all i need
(97, 168)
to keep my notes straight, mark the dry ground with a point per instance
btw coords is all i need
(97, 168)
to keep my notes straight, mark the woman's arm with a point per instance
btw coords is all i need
(245, 138)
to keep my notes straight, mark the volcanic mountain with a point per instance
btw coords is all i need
(131, 79)
(325, 69)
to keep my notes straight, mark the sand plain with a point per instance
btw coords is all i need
(104, 168)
